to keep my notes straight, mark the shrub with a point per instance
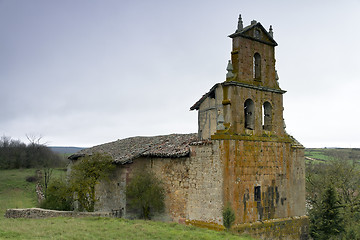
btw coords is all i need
(85, 174)
(145, 192)
(228, 217)
(59, 196)
(32, 179)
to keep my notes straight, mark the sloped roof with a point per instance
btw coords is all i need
(125, 150)
(197, 104)
(244, 33)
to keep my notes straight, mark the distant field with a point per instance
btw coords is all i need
(15, 192)
(66, 150)
(317, 155)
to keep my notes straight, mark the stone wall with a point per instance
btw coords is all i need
(205, 198)
(263, 179)
(208, 113)
(285, 229)
(242, 59)
(110, 193)
(193, 185)
(45, 213)
(234, 97)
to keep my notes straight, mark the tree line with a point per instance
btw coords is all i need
(15, 154)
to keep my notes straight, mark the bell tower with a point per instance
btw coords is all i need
(252, 99)
(263, 167)
(253, 55)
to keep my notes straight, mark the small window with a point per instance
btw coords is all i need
(257, 194)
(267, 116)
(257, 66)
(257, 34)
(249, 114)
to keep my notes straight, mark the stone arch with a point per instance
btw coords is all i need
(267, 116)
(257, 66)
(249, 113)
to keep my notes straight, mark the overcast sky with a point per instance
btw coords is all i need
(86, 72)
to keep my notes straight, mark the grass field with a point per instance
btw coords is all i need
(103, 228)
(15, 192)
(323, 155)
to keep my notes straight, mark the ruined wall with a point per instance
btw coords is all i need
(46, 213)
(110, 193)
(259, 180)
(193, 186)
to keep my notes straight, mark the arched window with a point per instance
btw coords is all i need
(267, 116)
(257, 66)
(249, 112)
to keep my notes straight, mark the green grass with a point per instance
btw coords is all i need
(15, 192)
(318, 154)
(103, 228)
(324, 155)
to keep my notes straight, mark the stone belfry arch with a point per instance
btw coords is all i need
(263, 167)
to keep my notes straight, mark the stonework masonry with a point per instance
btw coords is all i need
(45, 213)
(187, 182)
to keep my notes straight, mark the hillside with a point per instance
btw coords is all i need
(317, 155)
(66, 150)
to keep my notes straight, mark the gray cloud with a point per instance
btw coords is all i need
(87, 72)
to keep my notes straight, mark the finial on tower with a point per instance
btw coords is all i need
(271, 31)
(229, 69)
(240, 24)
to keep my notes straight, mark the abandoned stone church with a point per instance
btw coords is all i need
(240, 156)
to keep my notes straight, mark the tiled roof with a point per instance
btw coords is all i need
(125, 150)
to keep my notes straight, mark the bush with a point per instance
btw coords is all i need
(145, 193)
(59, 196)
(85, 174)
(32, 179)
(228, 217)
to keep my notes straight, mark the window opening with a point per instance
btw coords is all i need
(249, 114)
(257, 66)
(257, 33)
(267, 116)
(257, 194)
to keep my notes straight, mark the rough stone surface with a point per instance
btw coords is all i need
(186, 180)
(45, 213)
(295, 228)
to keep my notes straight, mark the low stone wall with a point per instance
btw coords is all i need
(45, 213)
(295, 228)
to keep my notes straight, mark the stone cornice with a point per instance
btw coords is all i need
(261, 88)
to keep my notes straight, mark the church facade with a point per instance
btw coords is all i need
(241, 155)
